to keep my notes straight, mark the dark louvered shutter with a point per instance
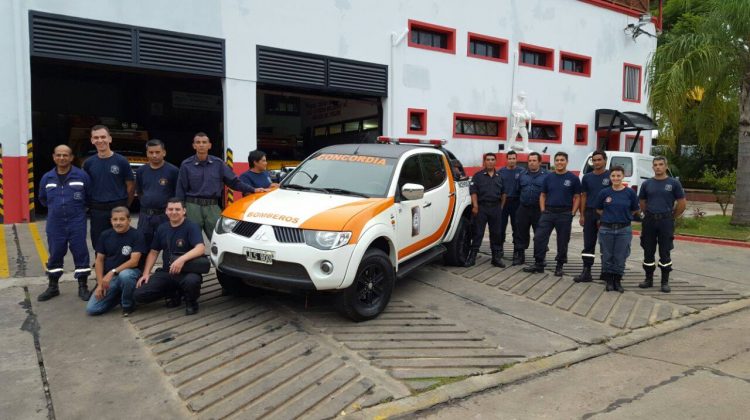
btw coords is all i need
(292, 68)
(81, 40)
(178, 52)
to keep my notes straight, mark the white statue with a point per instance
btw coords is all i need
(521, 123)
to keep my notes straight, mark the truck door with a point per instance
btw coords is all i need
(413, 216)
(438, 198)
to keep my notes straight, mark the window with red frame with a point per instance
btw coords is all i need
(546, 131)
(432, 37)
(417, 121)
(582, 135)
(479, 127)
(488, 48)
(533, 56)
(579, 65)
(631, 83)
(629, 143)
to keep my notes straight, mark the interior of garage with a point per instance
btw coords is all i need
(136, 104)
(292, 125)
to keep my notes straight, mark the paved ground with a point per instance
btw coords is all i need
(286, 356)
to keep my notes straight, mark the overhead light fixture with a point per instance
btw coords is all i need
(635, 30)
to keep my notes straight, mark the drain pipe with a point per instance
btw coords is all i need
(396, 39)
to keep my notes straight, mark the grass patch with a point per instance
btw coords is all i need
(710, 227)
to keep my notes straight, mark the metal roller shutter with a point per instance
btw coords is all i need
(358, 77)
(178, 52)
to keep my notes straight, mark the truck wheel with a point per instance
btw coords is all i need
(458, 248)
(371, 290)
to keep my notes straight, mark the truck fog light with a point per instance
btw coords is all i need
(214, 249)
(326, 267)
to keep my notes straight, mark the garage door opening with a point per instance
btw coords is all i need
(293, 125)
(137, 105)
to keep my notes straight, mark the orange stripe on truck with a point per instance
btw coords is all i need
(350, 217)
(238, 208)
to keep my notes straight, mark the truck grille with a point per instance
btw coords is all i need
(288, 235)
(246, 229)
(278, 268)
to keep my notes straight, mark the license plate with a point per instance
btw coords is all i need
(258, 255)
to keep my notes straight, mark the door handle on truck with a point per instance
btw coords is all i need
(427, 205)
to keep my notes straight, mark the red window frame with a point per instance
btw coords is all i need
(632, 137)
(585, 128)
(423, 118)
(586, 63)
(502, 126)
(500, 42)
(640, 81)
(557, 125)
(537, 49)
(449, 32)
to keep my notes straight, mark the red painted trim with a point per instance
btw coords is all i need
(607, 4)
(549, 52)
(16, 190)
(586, 63)
(423, 118)
(585, 141)
(612, 143)
(502, 126)
(500, 42)
(449, 32)
(557, 125)
(702, 240)
(630, 137)
(640, 81)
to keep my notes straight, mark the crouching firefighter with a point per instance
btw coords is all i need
(64, 191)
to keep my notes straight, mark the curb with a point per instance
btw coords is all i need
(705, 240)
(526, 370)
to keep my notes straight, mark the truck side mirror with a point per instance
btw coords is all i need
(412, 191)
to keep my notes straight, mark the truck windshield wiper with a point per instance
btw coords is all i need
(347, 192)
(304, 188)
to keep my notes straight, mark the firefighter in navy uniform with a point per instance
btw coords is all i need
(155, 183)
(591, 184)
(487, 200)
(64, 191)
(527, 217)
(657, 201)
(510, 174)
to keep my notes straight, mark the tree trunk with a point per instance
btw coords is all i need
(741, 210)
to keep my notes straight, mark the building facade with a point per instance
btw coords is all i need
(291, 77)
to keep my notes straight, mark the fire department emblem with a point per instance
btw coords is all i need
(114, 169)
(608, 200)
(180, 243)
(77, 195)
(605, 181)
(126, 250)
(566, 183)
(668, 187)
(163, 181)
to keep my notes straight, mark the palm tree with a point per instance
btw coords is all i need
(707, 69)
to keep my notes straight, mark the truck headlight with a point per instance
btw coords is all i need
(323, 239)
(225, 225)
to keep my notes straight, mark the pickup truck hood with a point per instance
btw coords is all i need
(307, 210)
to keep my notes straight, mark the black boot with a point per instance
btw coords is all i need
(471, 259)
(537, 267)
(52, 290)
(174, 301)
(610, 281)
(191, 307)
(83, 289)
(585, 276)
(518, 257)
(665, 281)
(497, 259)
(559, 269)
(617, 282)
(649, 280)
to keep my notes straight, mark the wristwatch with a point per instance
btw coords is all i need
(114, 271)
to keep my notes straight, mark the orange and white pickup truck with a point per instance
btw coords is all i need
(350, 218)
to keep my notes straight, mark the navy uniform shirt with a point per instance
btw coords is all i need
(156, 186)
(65, 198)
(257, 180)
(530, 186)
(206, 178)
(488, 189)
(175, 241)
(591, 184)
(660, 194)
(117, 247)
(617, 206)
(108, 177)
(561, 189)
(510, 176)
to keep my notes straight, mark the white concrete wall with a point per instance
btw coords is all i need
(361, 30)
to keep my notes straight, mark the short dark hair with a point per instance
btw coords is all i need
(617, 168)
(100, 127)
(154, 143)
(255, 156)
(121, 209)
(600, 153)
(200, 134)
(663, 158)
(563, 154)
(488, 154)
(176, 200)
(511, 152)
(538, 156)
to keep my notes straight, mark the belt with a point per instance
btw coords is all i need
(614, 225)
(109, 205)
(490, 203)
(531, 205)
(511, 199)
(659, 216)
(557, 209)
(152, 212)
(202, 201)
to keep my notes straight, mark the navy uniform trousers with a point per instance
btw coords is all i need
(559, 219)
(658, 230)
(590, 236)
(489, 213)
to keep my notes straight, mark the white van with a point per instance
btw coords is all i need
(638, 166)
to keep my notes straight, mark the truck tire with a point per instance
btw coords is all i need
(458, 247)
(371, 289)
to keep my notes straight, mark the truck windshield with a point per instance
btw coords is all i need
(343, 174)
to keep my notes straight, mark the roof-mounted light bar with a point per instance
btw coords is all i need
(403, 140)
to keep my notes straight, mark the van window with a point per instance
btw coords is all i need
(625, 162)
(645, 169)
